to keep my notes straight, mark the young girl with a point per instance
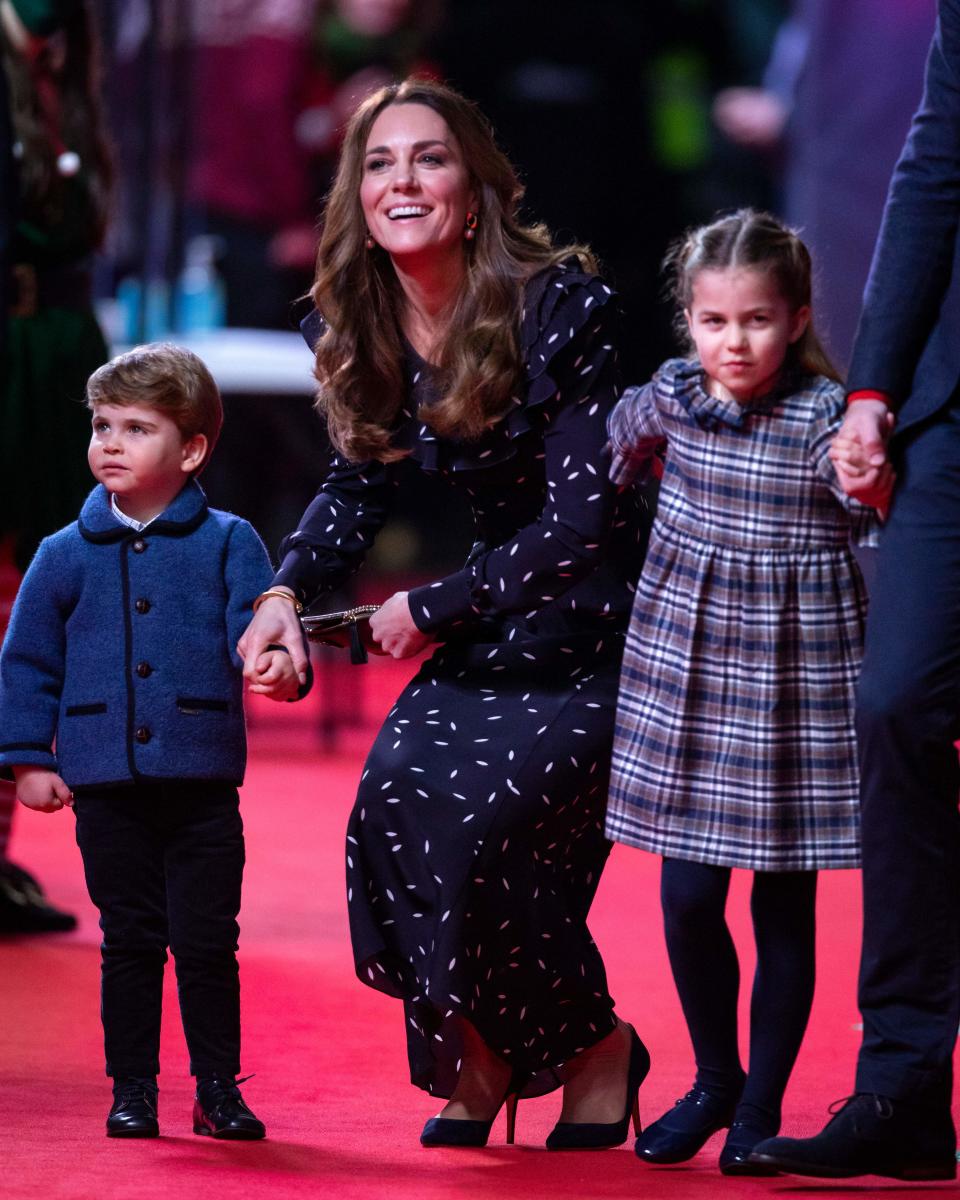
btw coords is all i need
(734, 742)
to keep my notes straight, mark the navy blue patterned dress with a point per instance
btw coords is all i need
(476, 842)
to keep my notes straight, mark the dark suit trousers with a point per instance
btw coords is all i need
(908, 719)
(164, 864)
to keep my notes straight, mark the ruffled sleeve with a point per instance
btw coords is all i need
(571, 386)
(339, 526)
(337, 530)
(636, 433)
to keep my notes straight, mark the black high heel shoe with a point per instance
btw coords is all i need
(576, 1135)
(447, 1131)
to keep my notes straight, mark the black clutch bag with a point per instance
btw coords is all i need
(349, 629)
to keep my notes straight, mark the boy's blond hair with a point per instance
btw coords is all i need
(169, 378)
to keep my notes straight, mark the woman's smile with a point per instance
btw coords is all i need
(416, 190)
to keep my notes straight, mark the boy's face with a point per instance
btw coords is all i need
(138, 453)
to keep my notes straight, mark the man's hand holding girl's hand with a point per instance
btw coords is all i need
(859, 454)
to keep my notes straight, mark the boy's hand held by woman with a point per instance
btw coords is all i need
(275, 622)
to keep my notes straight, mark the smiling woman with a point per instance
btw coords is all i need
(416, 192)
(457, 338)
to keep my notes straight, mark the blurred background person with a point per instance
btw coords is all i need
(59, 204)
(831, 115)
(608, 108)
(274, 85)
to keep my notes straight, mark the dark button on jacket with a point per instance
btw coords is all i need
(143, 735)
(144, 669)
(139, 546)
(142, 605)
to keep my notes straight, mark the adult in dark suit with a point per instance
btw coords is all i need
(905, 377)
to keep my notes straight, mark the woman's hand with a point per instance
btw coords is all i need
(274, 623)
(393, 628)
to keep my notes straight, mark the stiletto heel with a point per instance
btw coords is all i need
(512, 1101)
(574, 1135)
(637, 1127)
(448, 1131)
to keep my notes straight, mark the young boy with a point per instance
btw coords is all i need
(121, 651)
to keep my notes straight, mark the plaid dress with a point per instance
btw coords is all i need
(734, 736)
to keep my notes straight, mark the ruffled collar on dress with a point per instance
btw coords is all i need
(711, 411)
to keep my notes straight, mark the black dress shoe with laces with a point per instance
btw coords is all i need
(134, 1111)
(219, 1111)
(682, 1131)
(870, 1135)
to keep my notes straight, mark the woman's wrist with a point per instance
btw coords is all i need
(280, 593)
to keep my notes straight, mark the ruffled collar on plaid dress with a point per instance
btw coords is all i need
(709, 411)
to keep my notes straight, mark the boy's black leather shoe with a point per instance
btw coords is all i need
(870, 1135)
(134, 1111)
(219, 1111)
(682, 1131)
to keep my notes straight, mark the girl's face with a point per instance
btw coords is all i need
(415, 191)
(742, 327)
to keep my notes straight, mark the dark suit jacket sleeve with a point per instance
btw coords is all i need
(915, 251)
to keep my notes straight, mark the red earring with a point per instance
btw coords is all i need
(369, 242)
(470, 232)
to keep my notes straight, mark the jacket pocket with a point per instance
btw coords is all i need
(192, 706)
(85, 710)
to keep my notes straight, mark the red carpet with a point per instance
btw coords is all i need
(328, 1053)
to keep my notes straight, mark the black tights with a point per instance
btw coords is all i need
(707, 975)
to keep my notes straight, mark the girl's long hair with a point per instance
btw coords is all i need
(748, 238)
(359, 357)
(71, 63)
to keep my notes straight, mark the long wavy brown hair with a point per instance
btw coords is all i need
(70, 64)
(359, 357)
(749, 238)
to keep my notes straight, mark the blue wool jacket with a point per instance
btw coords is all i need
(121, 647)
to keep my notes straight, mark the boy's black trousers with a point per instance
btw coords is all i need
(164, 865)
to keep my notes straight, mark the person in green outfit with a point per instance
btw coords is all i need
(53, 340)
(55, 175)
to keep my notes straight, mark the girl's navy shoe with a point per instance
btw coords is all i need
(682, 1131)
(735, 1155)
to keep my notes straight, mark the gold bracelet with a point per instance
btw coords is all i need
(283, 595)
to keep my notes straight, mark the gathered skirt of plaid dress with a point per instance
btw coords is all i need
(735, 742)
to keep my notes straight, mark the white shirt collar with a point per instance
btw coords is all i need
(122, 517)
